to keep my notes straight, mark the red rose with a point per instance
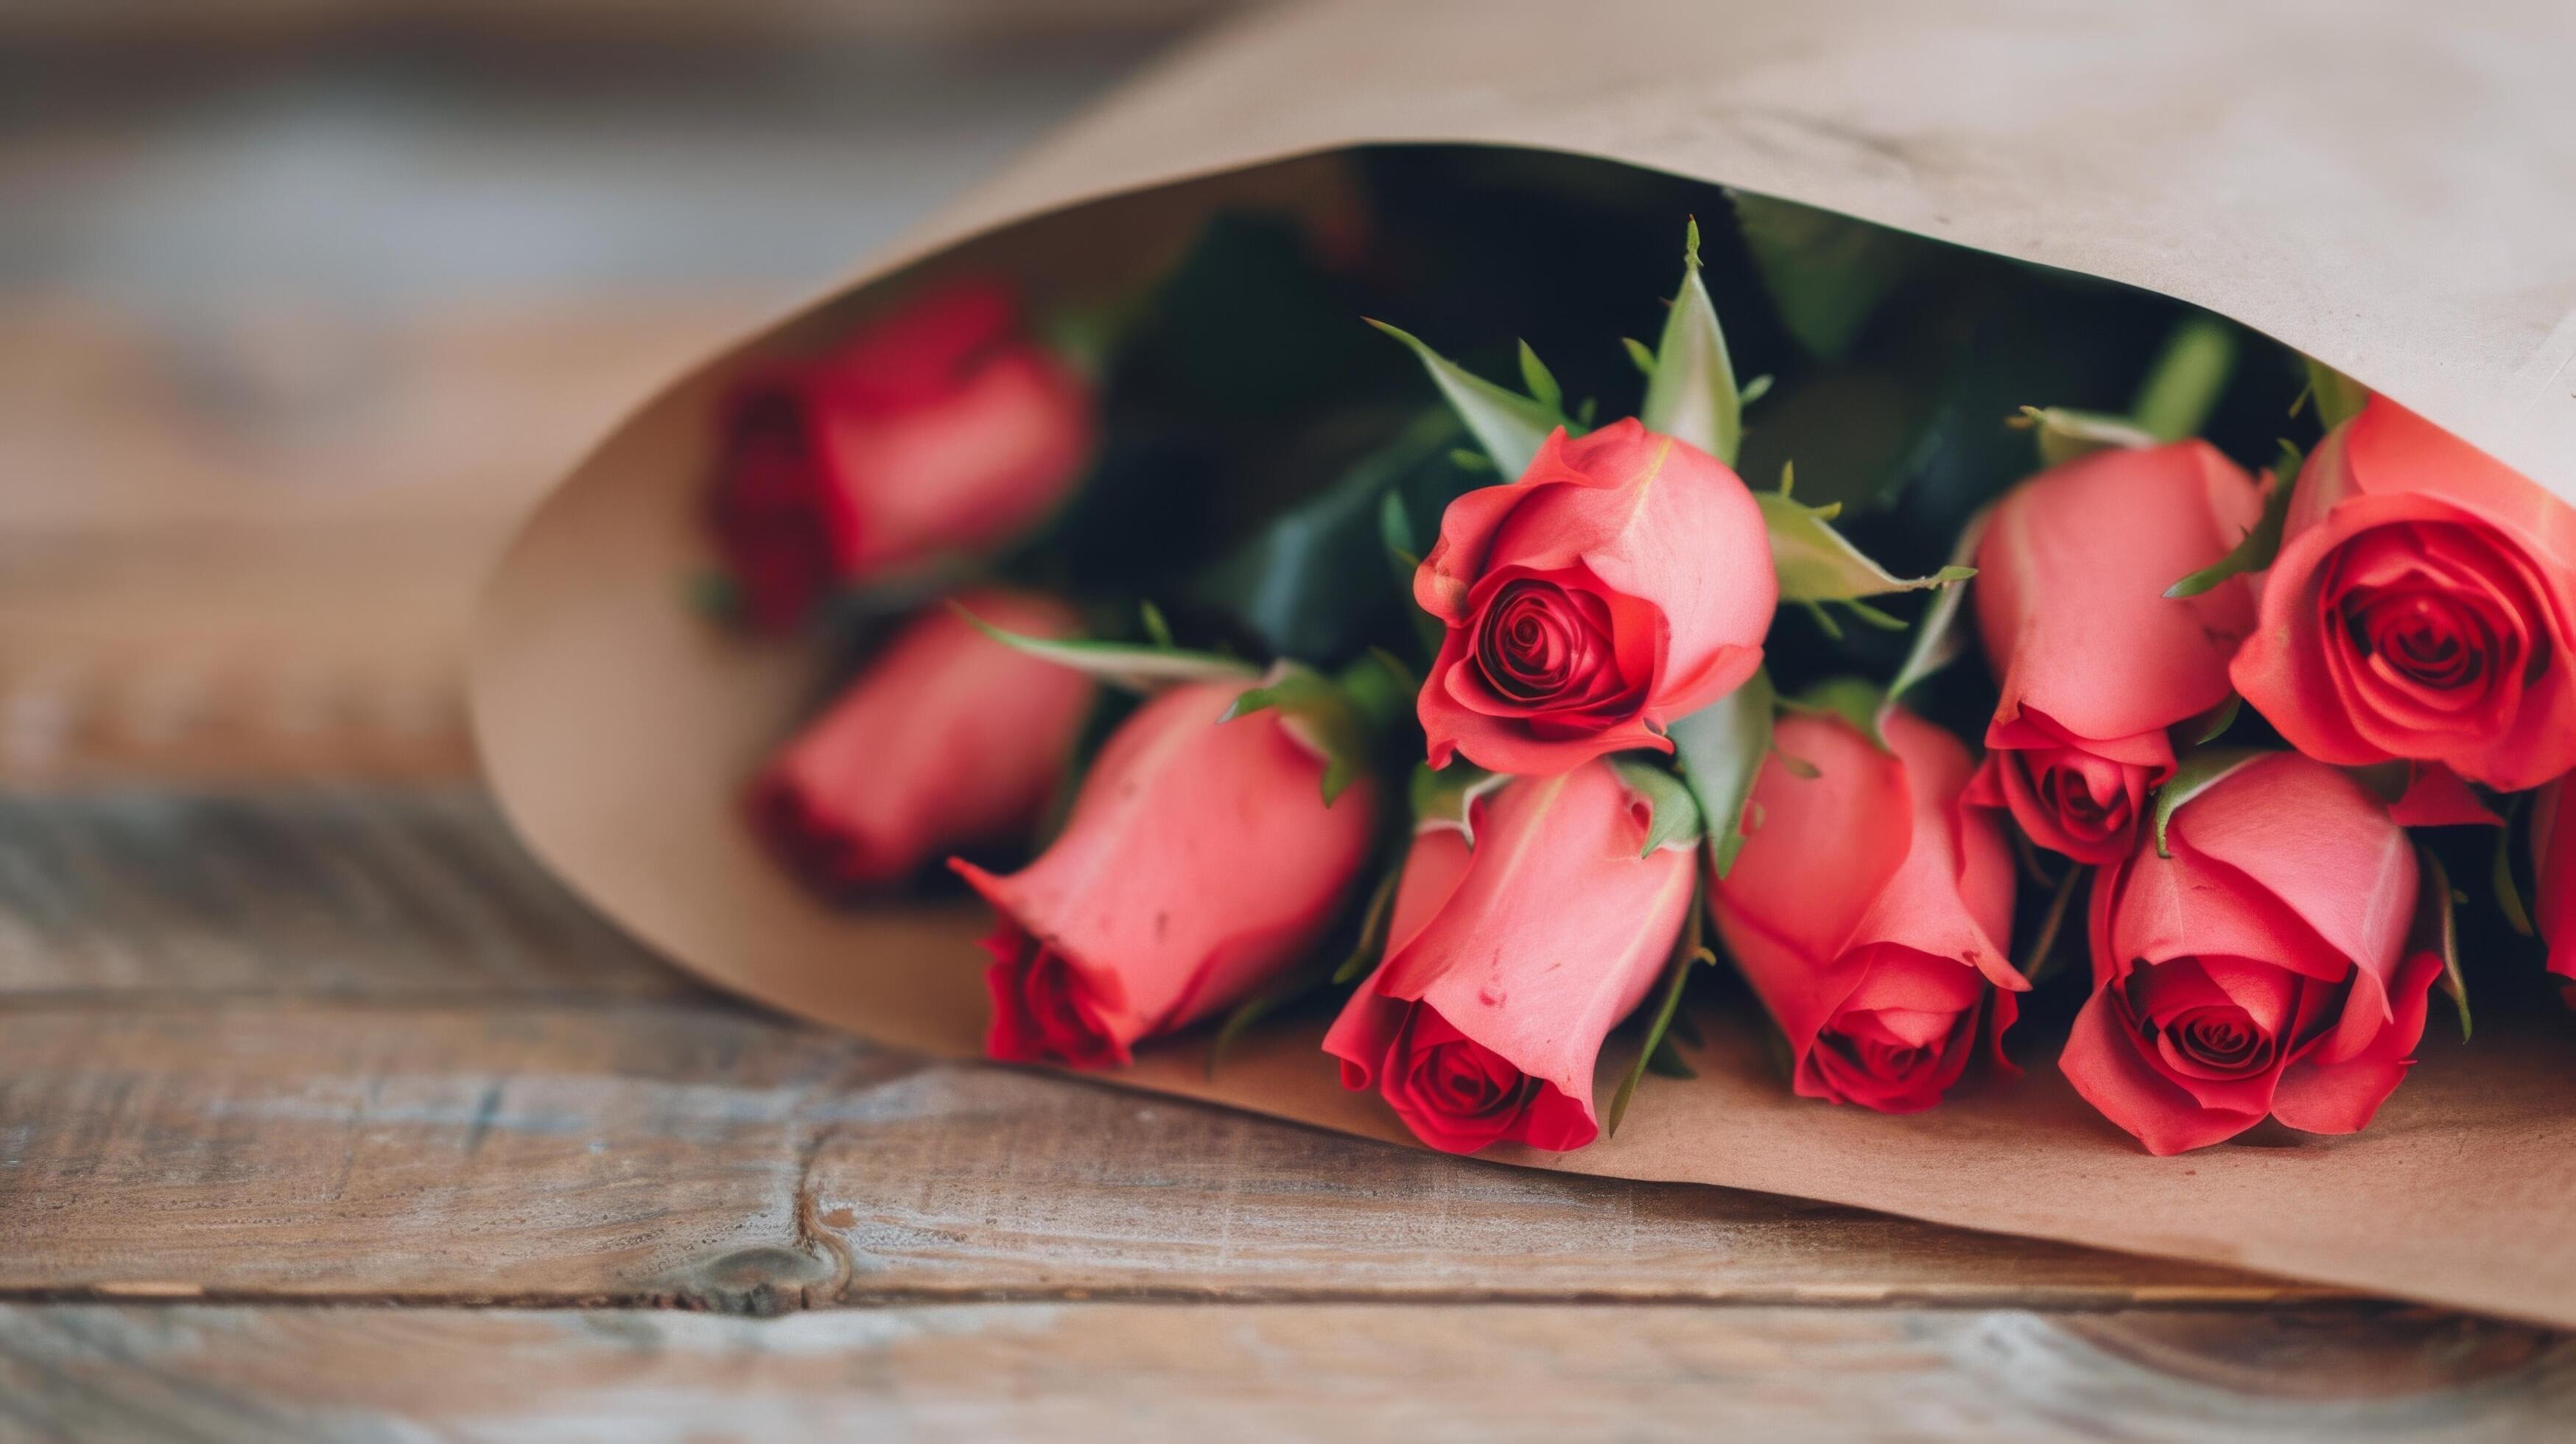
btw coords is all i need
(948, 737)
(1624, 581)
(1507, 966)
(938, 428)
(2421, 608)
(2096, 664)
(2553, 865)
(2261, 970)
(1199, 860)
(1866, 909)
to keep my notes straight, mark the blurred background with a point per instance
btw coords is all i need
(302, 302)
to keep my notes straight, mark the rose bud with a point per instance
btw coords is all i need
(1624, 581)
(2095, 663)
(948, 737)
(1507, 966)
(2553, 868)
(1199, 860)
(2261, 970)
(939, 428)
(1867, 908)
(2422, 607)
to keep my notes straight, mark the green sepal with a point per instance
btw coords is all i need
(2221, 717)
(2255, 551)
(2064, 433)
(2508, 894)
(714, 595)
(2386, 781)
(1692, 393)
(1673, 818)
(1815, 563)
(1395, 529)
(1720, 748)
(2197, 773)
(1371, 945)
(1938, 638)
(1639, 356)
(1157, 631)
(2186, 380)
(1508, 425)
(1541, 382)
(1321, 714)
(1138, 667)
(1447, 798)
(1692, 947)
(2437, 931)
(2339, 398)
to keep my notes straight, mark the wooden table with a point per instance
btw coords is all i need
(325, 1114)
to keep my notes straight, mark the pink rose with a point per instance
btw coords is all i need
(2096, 664)
(1507, 966)
(2553, 866)
(1867, 909)
(1623, 582)
(1199, 860)
(947, 738)
(2422, 607)
(2261, 970)
(937, 428)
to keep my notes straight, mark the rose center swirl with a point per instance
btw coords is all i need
(1537, 643)
(2426, 637)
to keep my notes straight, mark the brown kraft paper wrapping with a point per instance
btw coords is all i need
(2390, 189)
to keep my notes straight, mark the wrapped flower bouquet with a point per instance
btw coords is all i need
(1606, 666)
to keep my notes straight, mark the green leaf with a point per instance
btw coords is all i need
(1370, 948)
(1692, 393)
(2186, 380)
(1673, 818)
(1447, 798)
(1816, 564)
(2221, 717)
(2197, 773)
(1134, 666)
(2065, 433)
(1639, 356)
(2339, 397)
(1320, 714)
(2437, 930)
(2044, 947)
(1691, 948)
(1856, 700)
(2255, 551)
(1938, 638)
(1720, 748)
(1290, 582)
(1827, 273)
(1507, 425)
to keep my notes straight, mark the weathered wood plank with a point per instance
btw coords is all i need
(708, 1156)
(340, 892)
(1141, 1372)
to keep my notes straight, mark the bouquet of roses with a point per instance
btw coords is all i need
(1244, 674)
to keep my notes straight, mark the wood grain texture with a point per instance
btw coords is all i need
(1321, 1372)
(704, 1156)
(352, 1044)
